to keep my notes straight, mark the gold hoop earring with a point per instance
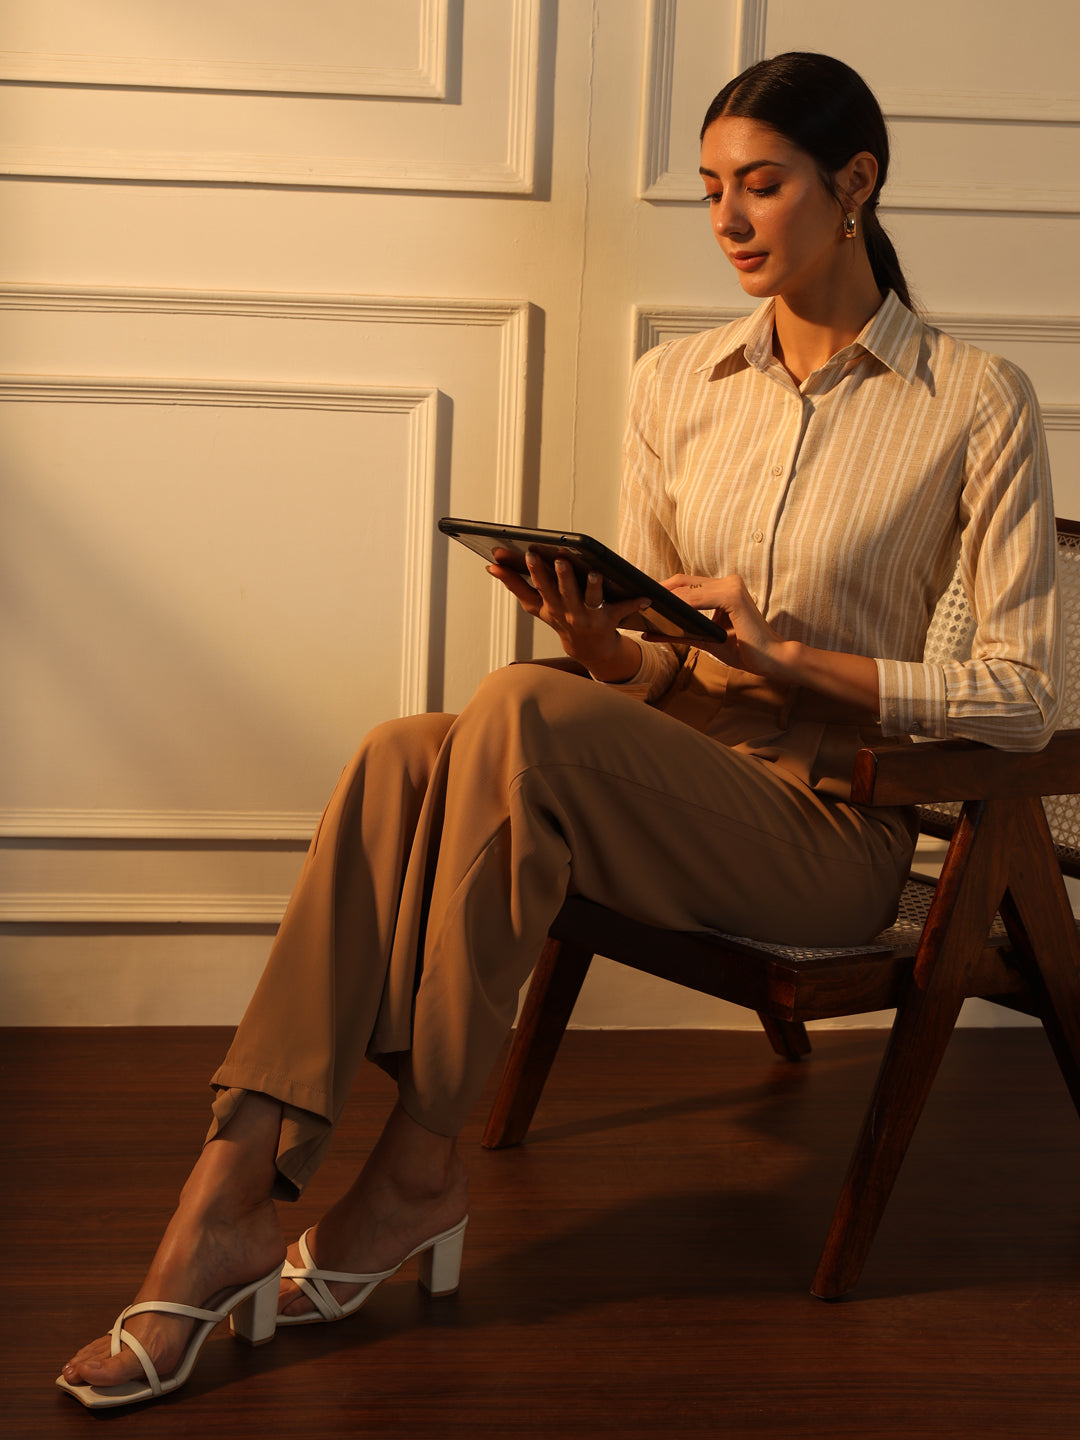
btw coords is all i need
(850, 226)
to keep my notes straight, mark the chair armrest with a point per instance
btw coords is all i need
(941, 770)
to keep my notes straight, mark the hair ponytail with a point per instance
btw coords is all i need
(881, 252)
(827, 109)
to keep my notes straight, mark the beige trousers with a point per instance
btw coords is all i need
(450, 843)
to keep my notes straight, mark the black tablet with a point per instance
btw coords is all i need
(666, 614)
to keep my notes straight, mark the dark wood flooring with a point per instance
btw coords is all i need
(639, 1268)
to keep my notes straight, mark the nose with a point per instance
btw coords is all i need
(728, 217)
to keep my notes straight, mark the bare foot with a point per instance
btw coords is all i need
(224, 1234)
(399, 1200)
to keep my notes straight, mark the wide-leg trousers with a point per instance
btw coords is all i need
(448, 847)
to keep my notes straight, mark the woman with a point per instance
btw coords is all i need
(810, 474)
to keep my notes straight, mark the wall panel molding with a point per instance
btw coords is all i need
(653, 324)
(419, 408)
(656, 323)
(1061, 417)
(427, 168)
(982, 197)
(1017, 107)
(510, 319)
(658, 182)
(42, 908)
(425, 79)
(221, 825)
(144, 390)
(656, 179)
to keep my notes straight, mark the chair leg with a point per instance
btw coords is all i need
(1039, 918)
(787, 1037)
(916, 1045)
(971, 885)
(554, 988)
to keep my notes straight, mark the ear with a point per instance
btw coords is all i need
(856, 180)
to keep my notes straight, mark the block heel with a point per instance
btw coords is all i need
(255, 1319)
(440, 1263)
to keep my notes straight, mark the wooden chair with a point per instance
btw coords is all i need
(997, 924)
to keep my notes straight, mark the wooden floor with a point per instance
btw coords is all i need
(639, 1268)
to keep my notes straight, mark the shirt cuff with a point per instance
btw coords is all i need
(912, 699)
(656, 669)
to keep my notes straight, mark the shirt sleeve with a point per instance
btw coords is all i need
(646, 519)
(1008, 693)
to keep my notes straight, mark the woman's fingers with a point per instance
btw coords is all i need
(586, 625)
(594, 591)
(518, 586)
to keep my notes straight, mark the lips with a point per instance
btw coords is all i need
(747, 259)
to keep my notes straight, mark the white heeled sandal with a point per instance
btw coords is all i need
(251, 1311)
(440, 1271)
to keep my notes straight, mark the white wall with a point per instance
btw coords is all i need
(283, 284)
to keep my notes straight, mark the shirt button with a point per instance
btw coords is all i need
(777, 469)
(759, 536)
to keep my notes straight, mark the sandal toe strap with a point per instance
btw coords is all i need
(119, 1336)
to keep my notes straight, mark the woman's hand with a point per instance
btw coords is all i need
(845, 686)
(752, 643)
(586, 627)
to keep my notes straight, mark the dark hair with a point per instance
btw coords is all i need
(825, 108)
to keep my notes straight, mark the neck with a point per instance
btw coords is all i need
(810, 329)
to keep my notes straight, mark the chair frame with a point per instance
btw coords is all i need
(1001, 860)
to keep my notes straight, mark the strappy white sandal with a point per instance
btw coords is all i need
(440, 1271)
(251, 1310)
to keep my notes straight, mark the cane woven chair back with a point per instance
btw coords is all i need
(949, 638)
(951, 633)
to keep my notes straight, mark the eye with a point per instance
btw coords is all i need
(714, 195)
(766, 190)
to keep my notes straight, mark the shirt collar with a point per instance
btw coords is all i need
(892, 335)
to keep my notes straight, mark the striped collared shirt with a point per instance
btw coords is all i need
(845, 504)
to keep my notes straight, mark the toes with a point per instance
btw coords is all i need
(291, 1299)
(89, 1358)
(112, 1370)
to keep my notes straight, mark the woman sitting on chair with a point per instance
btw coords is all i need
(811, 474)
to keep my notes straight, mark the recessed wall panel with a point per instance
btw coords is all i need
(983, 117)
(217, 582)
(351, 47)
(479, 138)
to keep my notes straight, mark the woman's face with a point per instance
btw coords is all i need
(770, 211)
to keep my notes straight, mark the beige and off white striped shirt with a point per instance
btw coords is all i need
(844, 504)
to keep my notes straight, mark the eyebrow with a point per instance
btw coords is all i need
(743, 169)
